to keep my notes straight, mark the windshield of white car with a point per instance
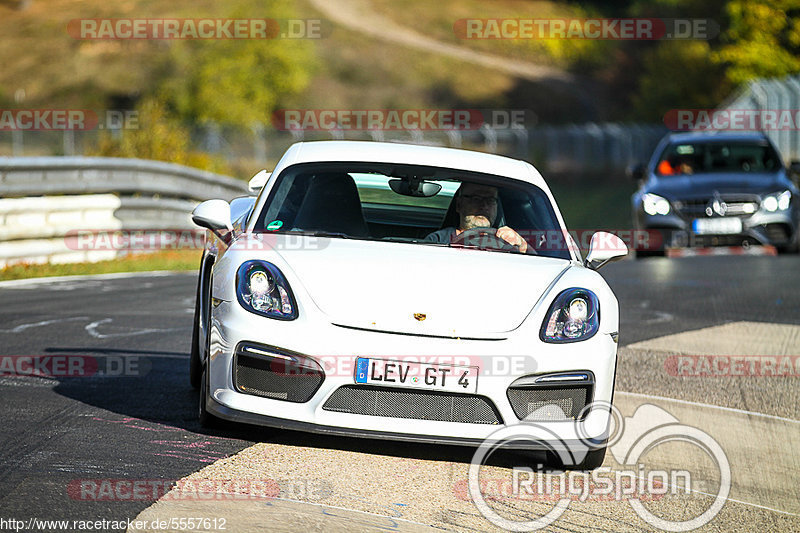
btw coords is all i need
(407, 204)
(685, 159)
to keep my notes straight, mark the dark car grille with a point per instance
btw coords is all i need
(419, 405)
(549, 403)
(740, 205)
(710, 241)
(272, 374)
(778, 233)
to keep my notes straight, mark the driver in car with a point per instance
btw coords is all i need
(476, 206)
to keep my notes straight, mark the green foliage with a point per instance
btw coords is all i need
(763, 39)
(237, 81)
(137, 262)
(573, 53)
(678, 74)
(159, 137)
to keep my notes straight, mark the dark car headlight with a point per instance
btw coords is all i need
(654, 204)
(262, 289)
(573, 316)
(778, 201)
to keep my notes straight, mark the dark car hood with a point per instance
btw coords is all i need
(674, 187)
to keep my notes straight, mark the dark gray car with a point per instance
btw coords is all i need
(722, 189)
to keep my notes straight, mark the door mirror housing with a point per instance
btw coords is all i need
(214, 215)
(636, 172)
(604, 248)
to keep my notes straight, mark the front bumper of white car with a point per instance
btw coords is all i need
(244, 387)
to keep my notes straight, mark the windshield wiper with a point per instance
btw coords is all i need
(331, 234)
(485, 248)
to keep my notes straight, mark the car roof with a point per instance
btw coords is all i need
(387, 152)
(699, 137)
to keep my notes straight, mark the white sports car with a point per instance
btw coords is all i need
(404, 292)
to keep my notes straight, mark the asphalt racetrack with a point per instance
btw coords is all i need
(72, 447)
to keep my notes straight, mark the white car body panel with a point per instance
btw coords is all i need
(358, 298)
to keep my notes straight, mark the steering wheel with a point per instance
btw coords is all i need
(483, 238)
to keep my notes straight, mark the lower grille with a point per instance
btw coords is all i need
(549, 403)
(418, 405)
(778, 233)
(263, 371)
(708, 241)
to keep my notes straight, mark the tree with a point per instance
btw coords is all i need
(763, 39)
(158, 136)
(237, 81)
(678, 74)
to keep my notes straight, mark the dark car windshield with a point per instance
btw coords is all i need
(682, 159)
(373, 202)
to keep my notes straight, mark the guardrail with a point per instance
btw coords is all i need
(45, 199)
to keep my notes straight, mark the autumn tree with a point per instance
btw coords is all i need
(762, 40)
(237, 81)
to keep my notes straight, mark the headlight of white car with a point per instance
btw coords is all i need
(654, 204)
(778, 201)
(261, 288)
(573, 316)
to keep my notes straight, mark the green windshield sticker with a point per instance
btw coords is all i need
(274, 225)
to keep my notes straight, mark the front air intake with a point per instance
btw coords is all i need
(270, 373)
(551, 397)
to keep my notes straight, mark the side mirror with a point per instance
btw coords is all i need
(604, 248)
(635, 172)
(241, 207)
(214, 215)
(258, 181)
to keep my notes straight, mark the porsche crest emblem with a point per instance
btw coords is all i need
(420, 316)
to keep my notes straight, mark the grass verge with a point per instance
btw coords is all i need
(588, 206)
(163, 260)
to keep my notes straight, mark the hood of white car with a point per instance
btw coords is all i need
(421, 289)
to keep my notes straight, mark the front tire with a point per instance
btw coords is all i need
(195, 367)
(791, 248)
(642, 255)
(593, 460)
(207, 420)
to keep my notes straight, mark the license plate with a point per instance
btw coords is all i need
(414, 375)
(718, 226)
